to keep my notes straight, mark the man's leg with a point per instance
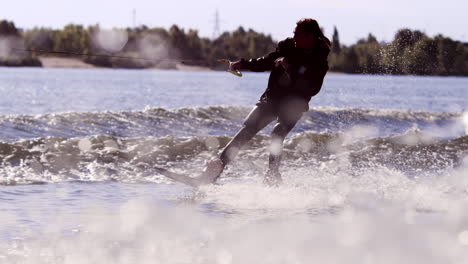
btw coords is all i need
(279, 133)
(281, 129)
(290, 112)
(257, 119)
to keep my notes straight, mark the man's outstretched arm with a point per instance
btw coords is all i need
(265, 63)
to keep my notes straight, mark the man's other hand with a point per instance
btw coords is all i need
(281, 61)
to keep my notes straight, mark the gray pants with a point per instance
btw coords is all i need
(286, 114)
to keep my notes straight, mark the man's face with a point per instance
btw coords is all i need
(302, 39)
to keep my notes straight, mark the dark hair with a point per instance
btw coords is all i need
(311, 26)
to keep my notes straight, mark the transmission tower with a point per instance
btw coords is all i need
(216, 30)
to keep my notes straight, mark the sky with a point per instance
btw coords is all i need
(354, 19)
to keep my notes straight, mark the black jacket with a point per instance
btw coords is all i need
(303, 78)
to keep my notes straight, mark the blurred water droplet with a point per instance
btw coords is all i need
(212, 143)
(409, 217)
(465, 161)
(463, 238)
(111, 144)
(276, 146)
(84, 145)
(305, 145)
(224, 257)
(232, 152)
(465, 122)
(336, 200)
(5, 48)
(154, 46)
(111, 40)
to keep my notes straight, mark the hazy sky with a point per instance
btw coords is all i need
(353, 18)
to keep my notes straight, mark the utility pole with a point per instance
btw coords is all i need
(134, 17)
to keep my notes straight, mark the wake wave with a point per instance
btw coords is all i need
(98, 158)
(214, 120)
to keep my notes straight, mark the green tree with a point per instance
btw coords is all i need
(368, 54)
(336, 47)
(448, 51)
(460, 64)
(39, 39)
(350, 60)
(8, 28)
(178, 42)
(406, 38)
(422, 57)
(73, 38)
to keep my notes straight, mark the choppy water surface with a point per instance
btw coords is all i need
(375, 172)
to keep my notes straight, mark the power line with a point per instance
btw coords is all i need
(68, 53)
(235, 72)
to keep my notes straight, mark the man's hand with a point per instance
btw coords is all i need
(234, 66)
(281, 61)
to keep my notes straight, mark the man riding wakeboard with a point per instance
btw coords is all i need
(298, 67)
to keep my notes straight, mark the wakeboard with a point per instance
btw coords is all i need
(191, 181)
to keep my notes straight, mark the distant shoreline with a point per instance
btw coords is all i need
(61, 62)
(74, 63)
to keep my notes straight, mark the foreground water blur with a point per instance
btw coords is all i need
(375, 172)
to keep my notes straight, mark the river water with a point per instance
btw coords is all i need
(375, 172)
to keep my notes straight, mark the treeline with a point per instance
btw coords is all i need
(410, 52)
(143, 47)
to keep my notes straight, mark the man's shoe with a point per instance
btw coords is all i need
(212, 171)
(272, 178)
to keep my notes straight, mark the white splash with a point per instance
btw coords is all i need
(145, 232)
